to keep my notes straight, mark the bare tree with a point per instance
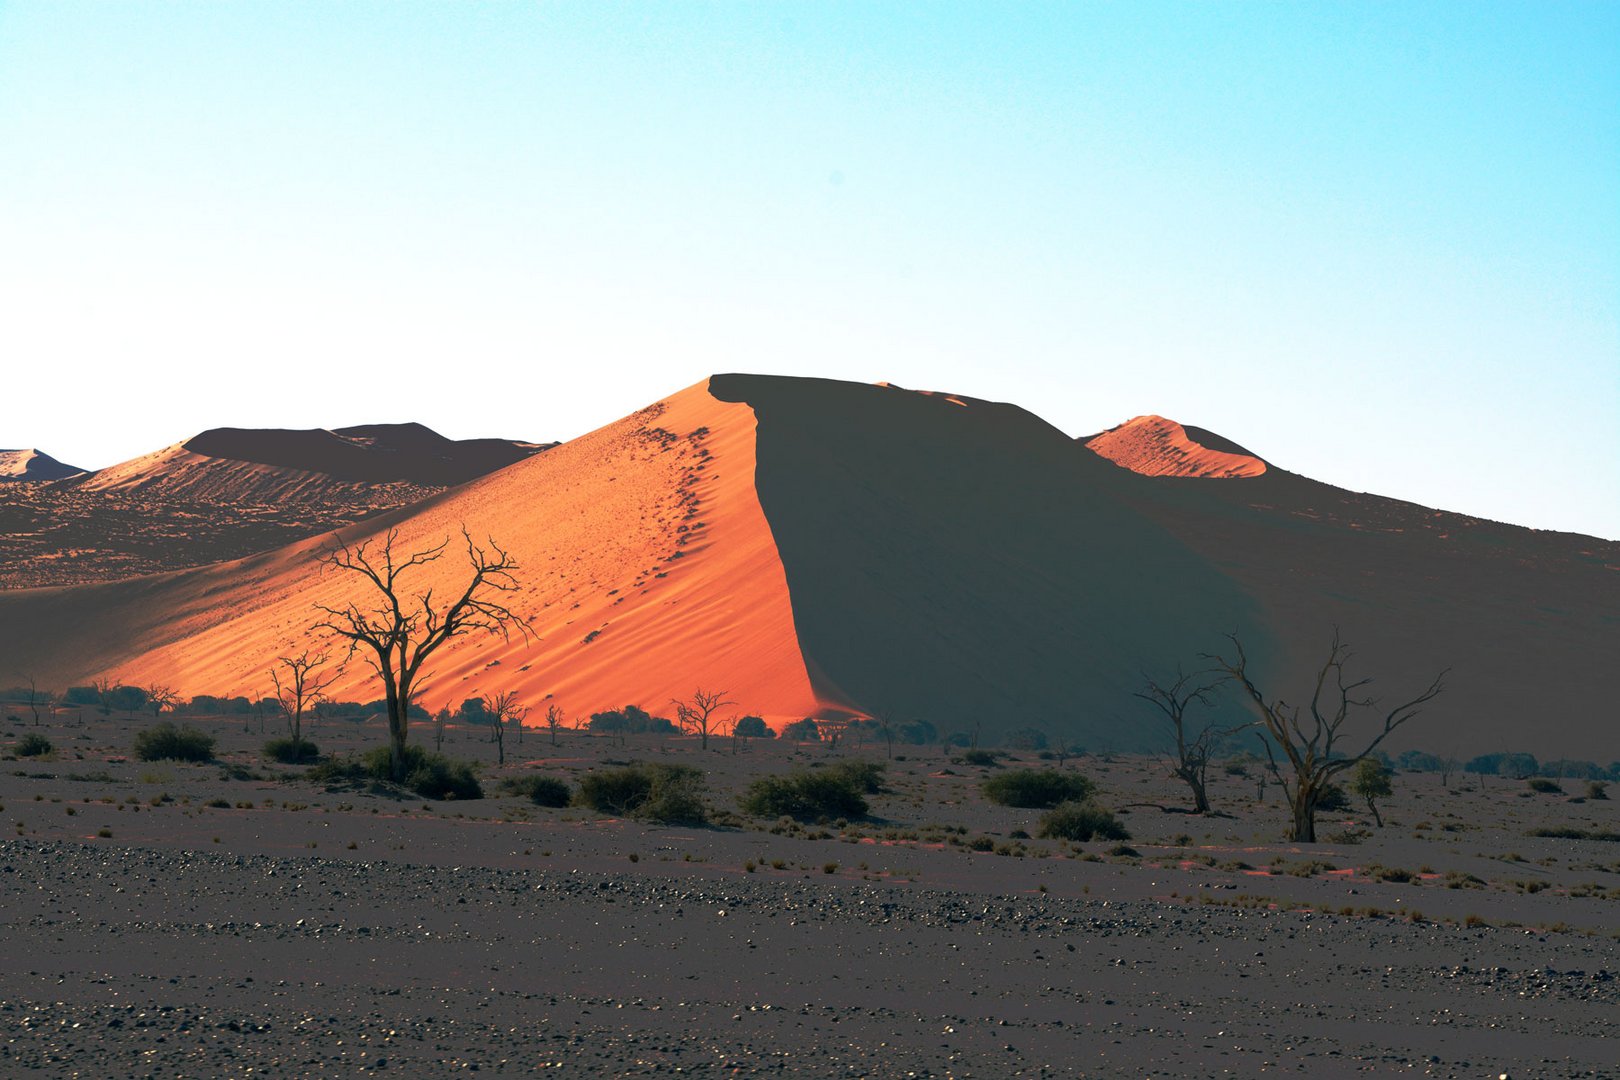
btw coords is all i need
(554, 721)
(400, 629)
(300, 683)
(36, 699)
(160, 697)
(698, 713)
(503, 709)
(1194, 745)
(439, 719)
(885, 725)
(1310, 743)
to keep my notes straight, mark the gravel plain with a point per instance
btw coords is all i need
(227, 927)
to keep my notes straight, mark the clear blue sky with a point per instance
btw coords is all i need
(1378, 244)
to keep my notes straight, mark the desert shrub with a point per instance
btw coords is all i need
(1081, 821)
(1543, 785)
(987, 758)
(165, 742)
(1597, 789)
(806, 795)
(291, 751)
(540, 790)
(32, 745)
(431, 776)
(1043, 788)
(669, 794)
(867, 776)
(752, 727)
(806, 730)
(1332, 797)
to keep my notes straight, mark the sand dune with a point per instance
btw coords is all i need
(1154, 446)
(33, 465)
(824, 548)
(256, 465)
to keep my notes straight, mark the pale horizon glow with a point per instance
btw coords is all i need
(1376, 246)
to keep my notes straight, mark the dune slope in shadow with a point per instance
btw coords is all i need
(957, 561)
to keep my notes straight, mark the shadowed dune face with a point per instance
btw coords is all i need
(957, 561)
(1154, 446)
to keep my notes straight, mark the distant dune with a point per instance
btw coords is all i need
(277, 464)
(1154, 446)
(32, 465)
(226, 494)
(825, 548)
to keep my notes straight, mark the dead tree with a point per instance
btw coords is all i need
(885, 725)
(1310, 742)
(503, 709)
(554, 721)
(698, 714)
(35, 700)
(299, 683)
(160, 697)
(399, 629)
(1193, 745)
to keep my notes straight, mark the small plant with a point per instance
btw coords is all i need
(291, 751)
(1042, 788)
(805, 795)
(104, 832)
(668, 794)
(1081, 821)
(540, 790)
(985, 758)
(1597, 789)
(1543, 785)
(32, 745)
(166, 742)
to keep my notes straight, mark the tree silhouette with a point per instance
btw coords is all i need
(698, 713)
(400, 629)
(1194, 746)
(503, 709)
(1310, 742)
(301, 687)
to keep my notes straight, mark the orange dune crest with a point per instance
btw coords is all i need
(646, 568)
(1155, 446)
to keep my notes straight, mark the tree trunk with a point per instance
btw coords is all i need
(1377, 817)
(1304, 816)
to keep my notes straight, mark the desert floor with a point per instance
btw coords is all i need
(231, 919)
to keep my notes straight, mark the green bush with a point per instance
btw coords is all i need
(807, 795)
(32, 745)
(428, 775)
(1332, 798)
(1597, 789)
(1081, 821)
(431, 776)
(867, 776)
(987, 758)
(165, 742)
(540, 790)
(291, 751)
(1545, 786)
(668, 794)
(1037, 788)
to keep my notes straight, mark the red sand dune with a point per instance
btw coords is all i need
(1154, 446)
(822, 547)
(33, 465)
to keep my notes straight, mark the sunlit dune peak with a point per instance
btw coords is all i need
(1156, 446)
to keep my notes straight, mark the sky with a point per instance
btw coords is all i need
(1377, 244)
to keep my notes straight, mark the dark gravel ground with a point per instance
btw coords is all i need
(140, 962)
